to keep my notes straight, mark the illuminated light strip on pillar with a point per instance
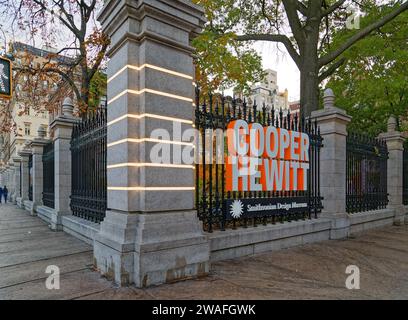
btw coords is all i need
(149, 115)
(146, 65)
(159, 93)
(150, 140)
(151, 188)
(160, 165)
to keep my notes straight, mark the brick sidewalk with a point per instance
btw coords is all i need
(314, 271)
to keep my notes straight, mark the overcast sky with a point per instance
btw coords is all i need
(277, 58)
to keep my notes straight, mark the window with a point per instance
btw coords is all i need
(27, 129)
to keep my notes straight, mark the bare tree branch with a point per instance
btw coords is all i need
(273, 38)
(333, 8)
(294, 21)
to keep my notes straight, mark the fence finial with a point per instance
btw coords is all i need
(41, 132)
(328, 98)
(26, 145)
(392, 124)
(68, 107)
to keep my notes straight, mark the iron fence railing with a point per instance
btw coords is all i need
(405, 174)
(21, 180)
(89, 159)
(366, 173)
(213, 201)
(48, 169)
(30, 178)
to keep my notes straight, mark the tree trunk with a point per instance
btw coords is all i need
(309, 89)
(309, 73)
(85, 97)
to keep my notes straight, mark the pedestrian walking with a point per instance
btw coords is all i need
(1, 194)
(5, 194)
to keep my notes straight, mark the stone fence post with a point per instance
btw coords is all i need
(37, 146)
(10, 180)
(17, 179)
(333, 123)
(24, 155)
(151, 234)
(62, 128)
(395, 144)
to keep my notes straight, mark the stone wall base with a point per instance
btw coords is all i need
(363, 221)
(151, 249)
(45, 213)
(20, 202)
(80, 228)
(50, 216)
(231, 244)
(28, 205)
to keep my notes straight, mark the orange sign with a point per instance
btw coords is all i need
(266, 158)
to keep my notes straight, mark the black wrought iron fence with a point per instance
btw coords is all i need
(30, 178)
(48, 169)
(405, 174)
(89, 180)
(219, 208)
(366, 173)
(21, 180)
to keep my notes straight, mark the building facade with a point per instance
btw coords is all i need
(267, 92)
(26, 117)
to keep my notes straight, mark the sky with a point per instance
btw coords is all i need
(275, 57)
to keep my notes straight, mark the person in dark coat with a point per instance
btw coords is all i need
(5, 194)
(1, 194)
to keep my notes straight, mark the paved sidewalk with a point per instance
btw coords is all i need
(315, 271)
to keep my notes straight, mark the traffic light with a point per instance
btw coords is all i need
(5, 78)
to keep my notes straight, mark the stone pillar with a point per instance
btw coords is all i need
(62, 128)
(10, 180)
(37, 148)
(7, 175)
(333, 127)
(24, 154)
(151, 234)
(395, 144)
(17, 179)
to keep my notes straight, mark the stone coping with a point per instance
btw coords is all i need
(80, 228)
(222, 240)
(369, 216)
